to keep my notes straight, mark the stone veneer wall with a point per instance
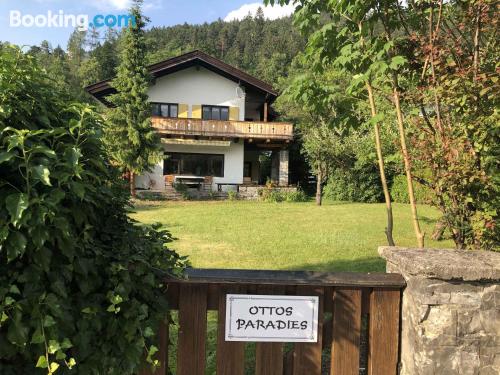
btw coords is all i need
(450, 310)
(252, 192)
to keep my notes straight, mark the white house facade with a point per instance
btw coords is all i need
(215, 126)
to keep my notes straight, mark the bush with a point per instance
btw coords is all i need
(182, 189)
(232, 195)
(272, 194)
(355, 185)
(295, 196)
(399, 191)
(80, 283)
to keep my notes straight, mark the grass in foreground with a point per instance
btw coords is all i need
(298, 236)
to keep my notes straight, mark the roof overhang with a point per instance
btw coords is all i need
(101, 90)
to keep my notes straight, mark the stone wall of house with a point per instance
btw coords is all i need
(450, 310)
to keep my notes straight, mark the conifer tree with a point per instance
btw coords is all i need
(132, 142)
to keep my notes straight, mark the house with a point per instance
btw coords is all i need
(215, 123)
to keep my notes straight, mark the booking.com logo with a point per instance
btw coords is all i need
(60, 19)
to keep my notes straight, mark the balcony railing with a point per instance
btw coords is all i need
(229, 129)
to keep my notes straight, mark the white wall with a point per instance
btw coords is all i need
(233, 165)
(197, 85)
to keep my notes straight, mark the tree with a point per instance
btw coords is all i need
(435, 63)
(324, 117)
(76, 50)
(456, 128)
(76, 273)
(322, 147)
(131, 140)
(342, 34)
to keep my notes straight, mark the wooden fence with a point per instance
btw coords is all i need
(358, 328)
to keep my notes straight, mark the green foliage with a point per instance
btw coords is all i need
(130, 139)
(273, 194)
(399, 191)
(232, 195)
(354, 185)
(324, 115)
(80, 283)
(262, 47)
(456, 142)
(182, 189)
(295, 196)
(441, 59)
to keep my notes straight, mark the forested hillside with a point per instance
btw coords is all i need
(256, 45)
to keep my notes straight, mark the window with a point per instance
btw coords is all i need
(194, 164)
(164, 109)
(213, 112)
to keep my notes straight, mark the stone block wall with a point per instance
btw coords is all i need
(252, 192)
(450, 310)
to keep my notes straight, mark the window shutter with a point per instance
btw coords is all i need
(234, 113)
(183, 111)
(196, 111)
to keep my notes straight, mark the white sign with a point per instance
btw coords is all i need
(271, 318)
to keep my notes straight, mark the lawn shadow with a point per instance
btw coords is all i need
(139, 206)
(427, 220)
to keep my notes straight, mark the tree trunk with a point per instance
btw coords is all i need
(319, 192)
(385, 188)
(380, 158)
(406, 158)
(439, 228)
(475, 65)
(132, 184)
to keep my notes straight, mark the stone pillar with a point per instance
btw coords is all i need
(450, 310)
(275, 166)
(283, 168)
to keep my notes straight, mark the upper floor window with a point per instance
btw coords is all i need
(165, 109)
(215, 112)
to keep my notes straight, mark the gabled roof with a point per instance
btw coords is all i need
(195, 58)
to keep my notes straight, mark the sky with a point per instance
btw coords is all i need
(161, 13)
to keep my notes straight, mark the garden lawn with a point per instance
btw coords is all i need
(287, 236)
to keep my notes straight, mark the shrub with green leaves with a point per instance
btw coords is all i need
(272, 194)
(80, 283)
(399, 191)
(358, 184)
(232, 195)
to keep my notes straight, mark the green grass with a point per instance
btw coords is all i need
(298, 236)
(294, 236)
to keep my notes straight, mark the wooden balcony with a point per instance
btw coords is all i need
(225, 129)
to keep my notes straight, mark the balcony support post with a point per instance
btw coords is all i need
(283, 167)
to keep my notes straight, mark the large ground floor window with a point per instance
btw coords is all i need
(180, 163)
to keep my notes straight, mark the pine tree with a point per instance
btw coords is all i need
(132, 142)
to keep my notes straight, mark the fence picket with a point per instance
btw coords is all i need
(269, 358)
(307, 356)
(346, 329)
(384, 332)
(269, 355)
(230, 355)
(192, 329)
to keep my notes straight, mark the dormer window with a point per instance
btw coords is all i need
(215, 112)
(165, 110)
